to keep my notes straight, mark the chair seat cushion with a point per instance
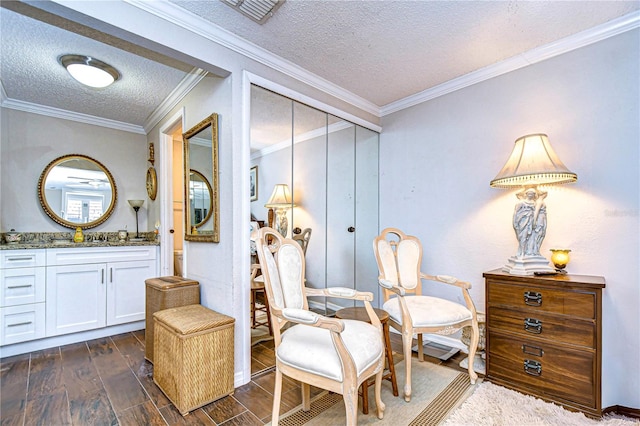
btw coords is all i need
(310, 348)
(428, 311)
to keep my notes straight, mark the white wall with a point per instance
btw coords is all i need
(31, 141)
(437, 159)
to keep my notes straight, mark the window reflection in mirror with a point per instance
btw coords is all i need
(76, 190)
(201, 167)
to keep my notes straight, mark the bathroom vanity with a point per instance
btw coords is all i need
(54, 294)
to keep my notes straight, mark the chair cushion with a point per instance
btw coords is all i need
(311, 348)
(428, 311)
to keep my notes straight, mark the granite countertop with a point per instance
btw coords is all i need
(43, 240)
(71, 244)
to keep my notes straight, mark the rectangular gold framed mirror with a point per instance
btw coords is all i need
(201, 192)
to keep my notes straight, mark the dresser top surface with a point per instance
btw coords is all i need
(560, 279)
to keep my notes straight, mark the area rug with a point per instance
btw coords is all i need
(260, 333)
(436, 390)
(495, 405)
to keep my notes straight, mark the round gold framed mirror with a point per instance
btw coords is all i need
(200, 198)
(77, 191)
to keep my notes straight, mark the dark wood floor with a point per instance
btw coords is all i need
(108, 382)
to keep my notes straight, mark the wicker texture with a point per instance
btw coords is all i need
(164, 293)
(193, 368)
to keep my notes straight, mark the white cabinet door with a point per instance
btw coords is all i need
(76, 298)
(126, 290)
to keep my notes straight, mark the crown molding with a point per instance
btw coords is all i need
(195, 24)
(601, 32)
(70, 115)
(176, 95)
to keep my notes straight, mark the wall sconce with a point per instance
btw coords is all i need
(532, 162)
(280, 201)
(136, 204)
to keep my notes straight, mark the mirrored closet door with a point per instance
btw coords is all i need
(330, 167)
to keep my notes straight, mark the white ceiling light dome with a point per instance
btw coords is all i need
(89, 71)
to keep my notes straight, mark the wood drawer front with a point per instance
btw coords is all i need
(564, 373)
(560, 301)
(538, 325)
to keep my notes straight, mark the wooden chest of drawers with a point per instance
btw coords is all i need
(544, 337)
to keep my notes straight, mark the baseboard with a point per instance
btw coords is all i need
(623, 411)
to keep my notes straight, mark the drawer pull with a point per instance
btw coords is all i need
(533, 368)
(532, 298)
(20, 323)
(533, 325)
(20, 286)
(532, 350)
(19, 258)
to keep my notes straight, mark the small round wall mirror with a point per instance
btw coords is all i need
(199, 198)
(76, 190)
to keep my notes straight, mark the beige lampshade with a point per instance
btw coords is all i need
(280, 197)
(533, 161)
(136, 203)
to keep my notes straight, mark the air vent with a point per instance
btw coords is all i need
(257, 10)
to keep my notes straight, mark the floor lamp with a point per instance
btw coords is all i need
(136, 204)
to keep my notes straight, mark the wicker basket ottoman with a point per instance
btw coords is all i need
(164, 293)
(194, 356)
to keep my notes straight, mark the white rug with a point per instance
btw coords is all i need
(494, 405)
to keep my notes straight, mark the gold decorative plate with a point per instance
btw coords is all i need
(152, 183)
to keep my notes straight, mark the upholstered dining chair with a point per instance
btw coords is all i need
(399, 258)
(303, 238)
(329, 353)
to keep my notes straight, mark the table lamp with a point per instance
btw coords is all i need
(280, 201)
(532, 162)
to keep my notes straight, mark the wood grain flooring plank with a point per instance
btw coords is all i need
(256, 399)
(45, 373)
(197, 417)
(106, 357)
(92, 408)
(133, 352)
(48, 409)
(78, 371)
(145, 414)
(124, 391)
(14, 375)
(224, 409)
(245, 419)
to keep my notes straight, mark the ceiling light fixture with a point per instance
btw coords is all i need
(257, 10)
(89, 71)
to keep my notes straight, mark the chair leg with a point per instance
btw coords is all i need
(378, 386)
(351, 405)
(253, 308)
(305, 388)
(365, 396)
(407, 337)
(277, 391)
(473, 345)
(420, 348)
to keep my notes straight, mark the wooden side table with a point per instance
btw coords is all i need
(360, 314)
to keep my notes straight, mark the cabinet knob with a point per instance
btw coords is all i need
(171, 231)
(351, 229)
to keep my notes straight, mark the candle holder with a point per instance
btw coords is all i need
(560, 259)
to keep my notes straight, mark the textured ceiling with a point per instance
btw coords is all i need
(31, 73)
(384, 51)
